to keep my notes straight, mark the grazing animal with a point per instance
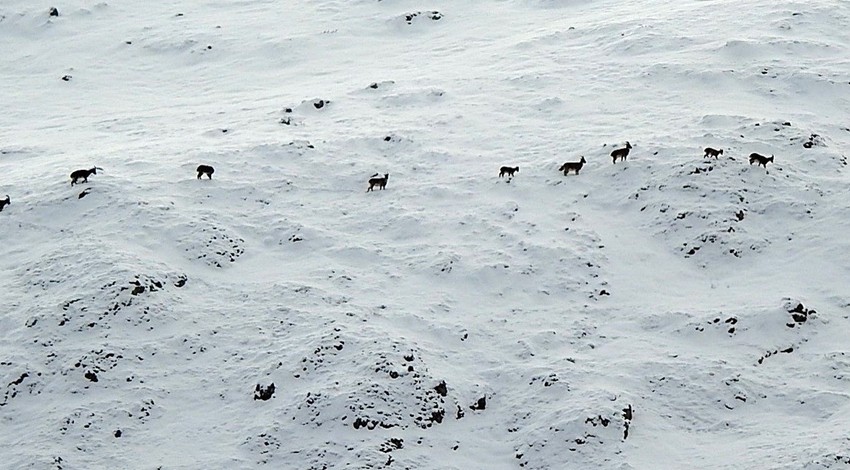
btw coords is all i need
(710, 152)
(4, 202)
(621, 153)
(205, 170)
(760, 159)
(572, 166)
(379, 181)
(83, 175)
(506, 170)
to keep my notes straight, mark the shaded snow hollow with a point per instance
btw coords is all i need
(668, 311)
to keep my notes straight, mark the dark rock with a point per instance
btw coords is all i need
(442, 389)
(54, 11)
(319, 104)
(480, 404)
(20, 380)
(117, 433)
(373, 86)
(263, 393)
(91, 376)
(66, 78)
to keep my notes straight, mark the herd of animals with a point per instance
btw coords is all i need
(621, 154)
(380, 182)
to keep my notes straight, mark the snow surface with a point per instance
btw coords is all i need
(670, 311)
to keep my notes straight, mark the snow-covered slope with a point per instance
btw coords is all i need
(669, 311)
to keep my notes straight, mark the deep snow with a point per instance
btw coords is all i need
(670, 311)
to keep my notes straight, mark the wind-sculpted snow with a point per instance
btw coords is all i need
(669, 310)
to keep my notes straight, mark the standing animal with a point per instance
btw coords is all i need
(572, 166)
(4, 202)
(710, 152)
(83, 175)
(621, 153)
(378, 181)
(506, 170)
(760, 159)
(205, 170)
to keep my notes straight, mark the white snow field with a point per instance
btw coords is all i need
(666, 312)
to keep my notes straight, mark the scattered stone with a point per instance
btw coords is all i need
(480, 404)
(392, 444)
(84, 193)
(54, 11)
(91, 376)
(20, 379)
(433, 15)
(66, 78)
(628, 415)
(117, 433)
(442, 389)
(800, 314)
(263, 393)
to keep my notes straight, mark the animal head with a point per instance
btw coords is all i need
(721, 151)
(771, 158)
(386, 176)
(582, 159)
(628, 145)
(7, 200)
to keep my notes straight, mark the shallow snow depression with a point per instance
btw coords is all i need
(666, 311)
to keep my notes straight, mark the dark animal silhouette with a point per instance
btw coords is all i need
(4, 202)
(506, 170)
(380, 182)
(710, 152)
(572, 166)
(621, 153)
(83, 175)
(760, 159)
(205, 170)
